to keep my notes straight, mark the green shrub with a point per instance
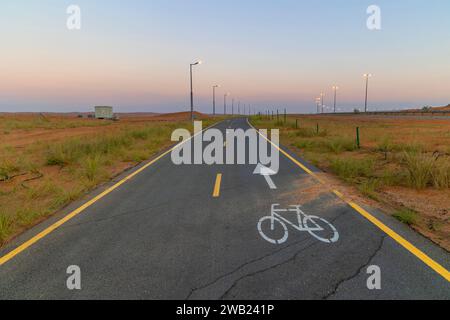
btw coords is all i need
(305, 144)
(385, 145)
(7, 169)
(392, 177)
(350, 169)
(369, 188)
(5, 227)
(61, 154)
(420, 167)
(140, 134)
(338, 145)
(406, 216)
(440, 174)
(26, 216)
(412, 147)
(305, 133)
(91, 167)
(47, 188)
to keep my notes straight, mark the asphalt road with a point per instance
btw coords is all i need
(162, 235)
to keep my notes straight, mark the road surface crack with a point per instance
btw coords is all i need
(354, 275)
(242, 266)
(293, 258)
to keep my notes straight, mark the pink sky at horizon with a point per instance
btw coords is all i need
(48, 68)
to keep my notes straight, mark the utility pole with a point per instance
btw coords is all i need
(335, 88)
(214, 99)
(322, 95)
(192, 89)
(225, 103)
(367, 76)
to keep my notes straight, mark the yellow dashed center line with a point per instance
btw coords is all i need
(216, 192)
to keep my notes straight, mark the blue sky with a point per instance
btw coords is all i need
(135, 54)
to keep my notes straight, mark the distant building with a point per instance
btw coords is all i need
(103, 112)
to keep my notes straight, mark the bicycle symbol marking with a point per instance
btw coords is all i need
(306, 223)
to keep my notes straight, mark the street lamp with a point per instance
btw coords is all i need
(335, 88)
(367, 76)
(214, 98)
(225, 103)
(192, 90)
(321, 100)
(317, 104)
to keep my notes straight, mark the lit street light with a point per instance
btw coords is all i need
(192, 90)
(367, 76)
(214, 98)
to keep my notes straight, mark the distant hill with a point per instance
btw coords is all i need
(144, 117)
(446, 108)
(179, 116)
(429, 109)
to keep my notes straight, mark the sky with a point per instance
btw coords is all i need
(135, 55)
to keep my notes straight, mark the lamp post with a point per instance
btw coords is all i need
(192, 90)
(322, 95)
(367, 76)
(335, 88)
(214, 98)
(225, 103)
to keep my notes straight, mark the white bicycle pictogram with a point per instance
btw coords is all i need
(315, 226)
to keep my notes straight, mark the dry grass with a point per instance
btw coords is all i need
(46, 163)
(410, 156)
(12, 122)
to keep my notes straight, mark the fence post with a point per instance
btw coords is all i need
(285, 116)
(296, 123)
(358, 142)
(317, 128)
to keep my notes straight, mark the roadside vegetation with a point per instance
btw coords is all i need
(40, 176)
(9, 123)
(401, 164)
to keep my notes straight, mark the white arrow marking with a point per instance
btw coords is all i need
(270, 182)
(266, 173)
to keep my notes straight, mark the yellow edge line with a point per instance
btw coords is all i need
(216, 192)
(76, 212)
(391, 233)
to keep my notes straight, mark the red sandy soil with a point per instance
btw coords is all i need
(22, 138)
